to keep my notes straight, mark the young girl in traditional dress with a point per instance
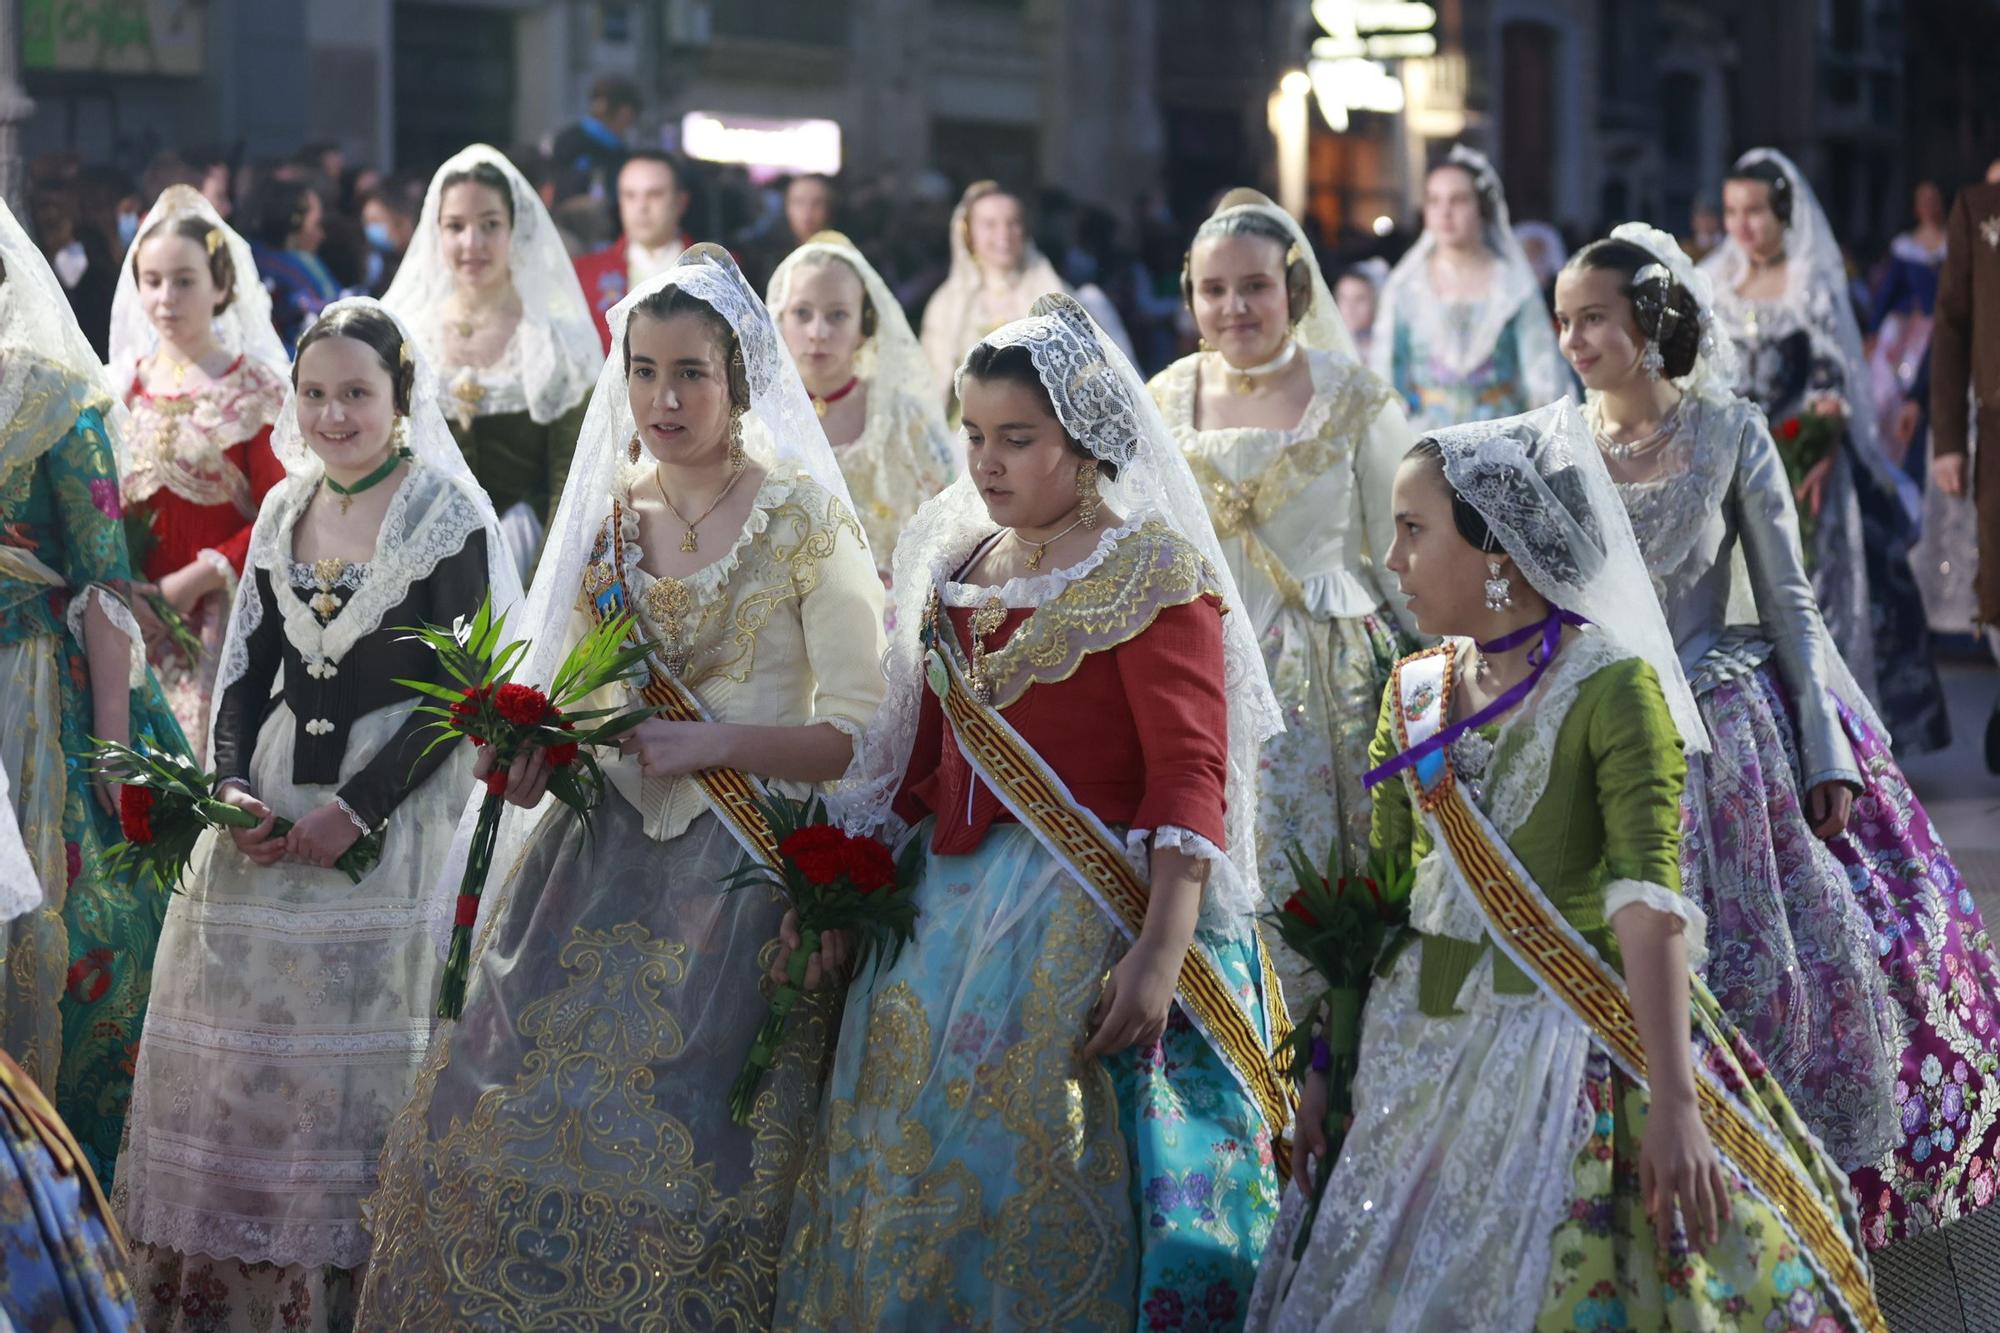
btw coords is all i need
(203, 376)
(294, 1005)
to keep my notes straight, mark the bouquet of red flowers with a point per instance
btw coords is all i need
(1347, 927)
(491, 708)
(834, 881)
(165, 802)
(1803, 442)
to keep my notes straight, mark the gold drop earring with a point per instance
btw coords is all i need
(1086, 496)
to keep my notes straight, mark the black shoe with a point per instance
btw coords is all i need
(1993, 740)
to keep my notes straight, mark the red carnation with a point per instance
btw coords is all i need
(1296, 906)
(522, 705)
(1790, 428)
(562, 756)
(819, 851)
(869, 865)
(496, 782)
(135, 813)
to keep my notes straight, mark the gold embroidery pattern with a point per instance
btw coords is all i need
(181, 443)
(1057, 1242)
(1148, 572)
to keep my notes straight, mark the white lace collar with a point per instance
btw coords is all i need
(706, 583)
(1184, 381)
(1038, 589)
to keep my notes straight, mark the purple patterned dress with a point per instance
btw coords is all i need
(1857, 965)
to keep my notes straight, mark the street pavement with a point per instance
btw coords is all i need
(1949, 1281)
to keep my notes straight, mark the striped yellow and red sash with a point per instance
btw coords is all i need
(1525, 925)
(732, 794)
(1078, 839)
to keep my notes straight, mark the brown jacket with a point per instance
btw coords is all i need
(1965, 366)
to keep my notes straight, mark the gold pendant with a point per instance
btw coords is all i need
(819, 406)
(324, 604)
(346, 503)
(1035, 560)
(688, 543)
(1242, 384)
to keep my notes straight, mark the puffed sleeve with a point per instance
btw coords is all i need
(1762, 497)
(840, 607)
(264, 470)
(1392, 828)
(455, 588)
(1383, 449)
(1636, 753)
(245, 704)
(83, 476)
(1172, 678)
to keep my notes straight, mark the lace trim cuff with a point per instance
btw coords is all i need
(1620, 894)
(1229, 896)
(119, 615)
(219, 562)
(352, 817)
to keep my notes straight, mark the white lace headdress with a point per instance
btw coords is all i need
(559, 350)
(243, 329)
(36, 320)
(1815, 287)
(1103, 405)
(1321, 326)
(892, 357)
(781, 433)
(1539, 483)
(436, 507)
(1407, 296)
(1716, 363)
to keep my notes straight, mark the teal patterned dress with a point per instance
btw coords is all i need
(78, 967)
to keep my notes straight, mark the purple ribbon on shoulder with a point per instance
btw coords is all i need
(1550, 630)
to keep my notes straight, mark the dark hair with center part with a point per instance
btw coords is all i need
(1297, 272)
(1773, 176)
(481, 173)
(1489, 207)
(194, 227)
(1014, 364)
(378, 332)
(668, 303)
(1664, 310)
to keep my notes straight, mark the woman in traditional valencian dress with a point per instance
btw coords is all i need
(1781, 293)
(1294, 444)
(78, 945)
(1010, 1139)
(996, 274)
(1828, 891)
(292, 1007)
(869, 383)
(568, 1160)
(1461, 330)
(1554, 1125)
(203, 375)
(493, 299)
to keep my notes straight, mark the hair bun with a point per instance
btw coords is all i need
(1245, 197)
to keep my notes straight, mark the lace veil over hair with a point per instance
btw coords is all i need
(781, 433)
(435, 508)
(1407, 296)
(1103, 405)
(559, 350)
(243, 329)
(36, 321)
(1320, 327)
(1716, 364)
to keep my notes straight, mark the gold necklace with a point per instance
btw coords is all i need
(689, 542)
(990, 615)
(1035, 560)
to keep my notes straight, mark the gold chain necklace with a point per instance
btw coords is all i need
(1035, 560)
(689, 542)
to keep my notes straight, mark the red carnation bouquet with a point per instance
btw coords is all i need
(165, 803)
(490, 708)
(833, 881)
(1803, 441)
(1349, 928)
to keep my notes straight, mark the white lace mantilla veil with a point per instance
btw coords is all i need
(1102, 404)
(559, 350)
(20, 891)
(891, 357)
(1575, 549)
(1713, 380)
(1407, 297)
(244, 329)
(781, 433)
(36, 320)
(435, 508)
(1321, 327)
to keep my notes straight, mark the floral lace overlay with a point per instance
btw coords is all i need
(180, 442)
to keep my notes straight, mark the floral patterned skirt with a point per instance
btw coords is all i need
(973, 1172)
(1490, 1182)
(1792, 955)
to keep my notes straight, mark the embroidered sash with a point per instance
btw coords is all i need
(1526, 927)
(36, 1118)
(732, 794)
(1088, 850)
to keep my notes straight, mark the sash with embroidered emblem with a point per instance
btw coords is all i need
(735, 796)
(1036, 796)
(1525, 926)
